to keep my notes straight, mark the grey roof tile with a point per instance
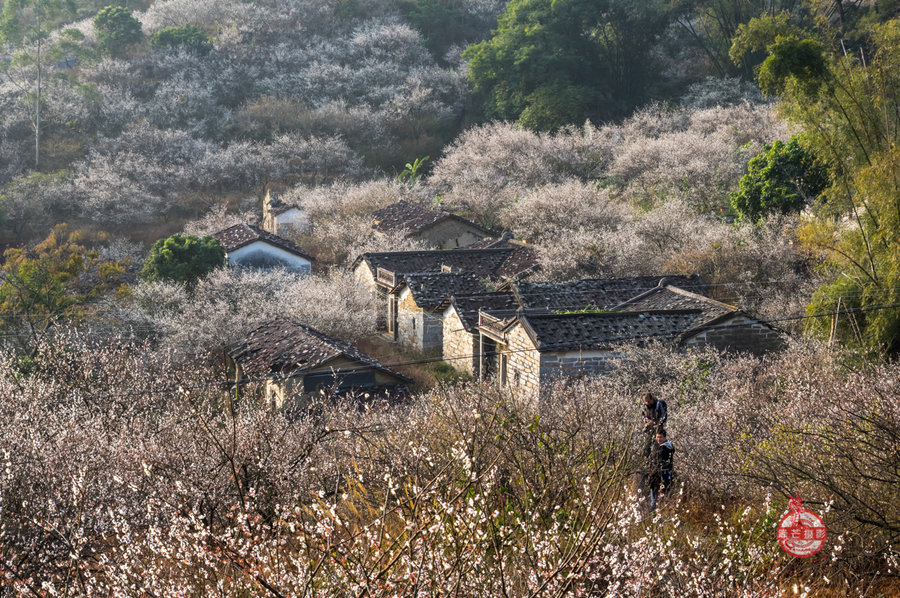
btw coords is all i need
(494, 264)
(467, 307)
(600, 330)
(433, 291)
(286, 347)
(413, 217)
(242, 234)
(594, 293)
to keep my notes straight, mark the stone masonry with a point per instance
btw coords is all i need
(739, 334)
(523, 362)
(416, 327)
(459, 344)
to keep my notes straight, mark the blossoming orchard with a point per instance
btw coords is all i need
(509, 298)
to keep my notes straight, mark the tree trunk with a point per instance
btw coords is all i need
(37, 106)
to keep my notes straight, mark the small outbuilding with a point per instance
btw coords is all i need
(280, 217)
(294, 360)
(249, 246)
(435, 227)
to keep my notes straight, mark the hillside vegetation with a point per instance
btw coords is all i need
(754, 143)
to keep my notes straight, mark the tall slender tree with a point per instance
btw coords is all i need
(26, 27)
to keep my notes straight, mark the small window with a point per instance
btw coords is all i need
(339, 380)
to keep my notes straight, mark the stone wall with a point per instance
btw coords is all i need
(574, 363)
(365, 275)
(459, 343)
(740, 334)
(417, 328)
(523, 362)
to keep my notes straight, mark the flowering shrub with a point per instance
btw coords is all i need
(126, 472)
(230, 302)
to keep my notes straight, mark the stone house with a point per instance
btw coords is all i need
(294, 360)
(463, 342)
(249, 246)
(435, 227)
(726, 327)
(382, 272)
(416, 306)
(461, 338)
(530, 349)
(281, 216)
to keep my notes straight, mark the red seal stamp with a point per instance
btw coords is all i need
(801, 532)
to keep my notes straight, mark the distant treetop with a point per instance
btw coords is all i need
(186, 37)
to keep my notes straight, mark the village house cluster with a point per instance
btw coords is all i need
(473, 304)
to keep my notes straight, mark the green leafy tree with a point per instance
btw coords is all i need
(438, 23)
(52, 284)
(25, 25)
(783, 178)
(117, 29)
(748, 47)
(554, 62)
(849, 106)
(183, 258)
(793, 61)
(186, 37)
(711, 25)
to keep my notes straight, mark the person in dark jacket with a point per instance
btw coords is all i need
(662, 467)
(655, 413)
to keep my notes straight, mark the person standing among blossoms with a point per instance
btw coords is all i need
(655, 414)
(663, 468)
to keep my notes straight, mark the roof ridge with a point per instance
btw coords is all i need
(700, 297)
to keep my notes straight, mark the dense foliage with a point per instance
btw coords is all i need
(183, 259)
(52, 284)
(848, 104)
(186, 37)
(549, 64)
(117, 29)
(784, 178)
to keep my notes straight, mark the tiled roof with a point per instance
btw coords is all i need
(467, 307)
(671, 297)
(242, 234)
(484, 263)
(433, 291)
(600, 330)
(413, 217)
(279, 207)
(522, 261)
(596, 293)
(286, 347)
(491, 243)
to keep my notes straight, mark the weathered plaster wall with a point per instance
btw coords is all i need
(259, 254)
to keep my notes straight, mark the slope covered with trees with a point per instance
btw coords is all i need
(751, 142)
